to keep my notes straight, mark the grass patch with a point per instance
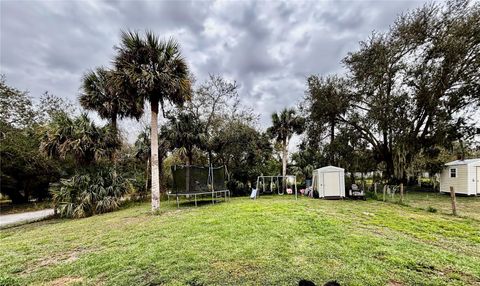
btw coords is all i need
(467, 206)
(269, 241)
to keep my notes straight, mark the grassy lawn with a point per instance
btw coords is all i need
(466, 206)
(270, 241)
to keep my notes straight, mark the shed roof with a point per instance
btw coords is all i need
(463, 162)
(330, 169)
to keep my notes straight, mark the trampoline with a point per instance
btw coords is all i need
(195, 181)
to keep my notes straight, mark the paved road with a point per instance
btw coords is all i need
(21, 218)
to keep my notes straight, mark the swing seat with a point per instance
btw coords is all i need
(253, 194)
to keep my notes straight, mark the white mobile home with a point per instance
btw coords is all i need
(462, 175)
(329, 182)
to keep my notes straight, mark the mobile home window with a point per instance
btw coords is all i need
(453, 173)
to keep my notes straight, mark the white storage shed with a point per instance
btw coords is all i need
(329, 182)
(462, 175)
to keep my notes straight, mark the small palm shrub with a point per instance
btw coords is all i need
(87, 194)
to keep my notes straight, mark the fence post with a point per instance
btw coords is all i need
(384, 191)
(401, 193)
(454, 201)
(375, 188)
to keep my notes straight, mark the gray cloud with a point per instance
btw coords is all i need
(269, 47)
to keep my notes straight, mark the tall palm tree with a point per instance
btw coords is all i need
(284, 125)
(158, 73)
(103, 92)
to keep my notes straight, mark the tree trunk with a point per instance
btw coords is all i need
(401, 193)
(114, 123)
(284, 165)
(154, 157)
(187, 175)
(146, 174)
(389, 166)
(284, 158)
(462, 150)
(332, 138)
(113, 157)
(161, 175)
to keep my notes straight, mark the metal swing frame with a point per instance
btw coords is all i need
(277, 178)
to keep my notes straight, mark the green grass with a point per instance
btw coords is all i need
(466, 206)
(270, 241)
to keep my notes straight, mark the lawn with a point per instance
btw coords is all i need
(466, 206)
(270, 241)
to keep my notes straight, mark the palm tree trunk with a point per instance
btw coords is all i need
(187, 175)
(332, 138)
(284, 164)
(114, 153)
(154, 158)
(160, 175)
(284, 158)
(114, 123)
(146, 175)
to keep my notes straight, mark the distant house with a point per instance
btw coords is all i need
(462, 175)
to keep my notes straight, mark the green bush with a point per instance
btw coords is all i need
(371, 195)
(91, 193)
(238, 188)
(431, 209)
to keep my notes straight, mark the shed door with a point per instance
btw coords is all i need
(478, 180)
(332, 184)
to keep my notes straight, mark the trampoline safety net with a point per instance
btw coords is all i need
(197, 179)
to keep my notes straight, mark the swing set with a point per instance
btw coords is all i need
(276, 184)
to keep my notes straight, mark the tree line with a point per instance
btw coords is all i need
(408, 101)
(409, 95)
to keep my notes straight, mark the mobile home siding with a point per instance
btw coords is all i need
(459, 183)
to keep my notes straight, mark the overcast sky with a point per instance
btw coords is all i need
(268, 47)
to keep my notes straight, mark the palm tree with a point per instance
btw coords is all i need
(157, 73)
(284, 125)
(103, 92)
(78, 138)
(186, 132)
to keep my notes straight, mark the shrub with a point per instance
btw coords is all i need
(371, 195)
(431, 209)
(91, 193)
(136, 188)
(238, 188)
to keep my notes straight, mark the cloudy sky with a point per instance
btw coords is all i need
(268, 47)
